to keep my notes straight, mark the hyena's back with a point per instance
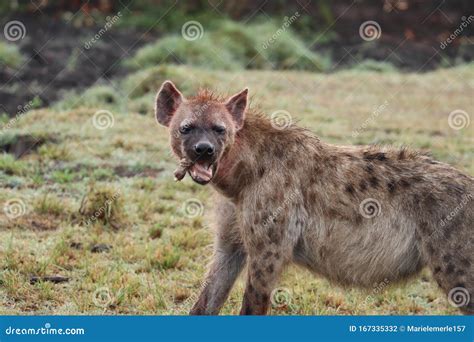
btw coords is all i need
(374, 215)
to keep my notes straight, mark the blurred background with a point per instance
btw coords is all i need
(52, 54)
(91, 221)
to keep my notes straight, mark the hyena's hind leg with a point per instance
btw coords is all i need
(449, 248)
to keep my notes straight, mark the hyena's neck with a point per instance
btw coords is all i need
(256, 148)
(234, 171)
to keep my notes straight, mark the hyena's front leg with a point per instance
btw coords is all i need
(225, 268)
(269, 249)
(264, 270)
(228, 261)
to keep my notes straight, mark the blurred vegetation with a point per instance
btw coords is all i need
(10, 55)
(234, 46)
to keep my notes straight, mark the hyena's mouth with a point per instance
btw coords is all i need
(202, 172)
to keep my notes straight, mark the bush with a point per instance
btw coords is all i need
(233, 46)
(94, 97)
(11, 166)
(149, 80)
(372, 65)
(10, 55)
(103, 205)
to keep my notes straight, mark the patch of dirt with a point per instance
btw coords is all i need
(130, 171)
(33, 221)
(22, 144)
(409, 34)
(58, 61)
(125, 171)
(100, 248)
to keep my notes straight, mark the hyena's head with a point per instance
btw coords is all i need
(201, 128)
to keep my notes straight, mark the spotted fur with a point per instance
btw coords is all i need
(285, 197)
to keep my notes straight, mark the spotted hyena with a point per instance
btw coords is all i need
(357, 215)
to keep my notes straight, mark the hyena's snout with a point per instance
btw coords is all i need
(204, 149)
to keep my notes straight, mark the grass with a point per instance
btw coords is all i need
(11, 166)
(158, 255)
(233, 46)
(10, 55)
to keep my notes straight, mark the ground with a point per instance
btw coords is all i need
(147, 251)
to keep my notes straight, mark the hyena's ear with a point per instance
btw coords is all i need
(237, 105)
(168, 100)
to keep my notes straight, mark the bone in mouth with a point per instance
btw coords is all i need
(180, 172)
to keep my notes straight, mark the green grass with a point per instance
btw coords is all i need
(10, 55)
(159, 254)
(11, 166)
(233, 46)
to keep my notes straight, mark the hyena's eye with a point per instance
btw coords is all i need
(185, 129)
(219, 129)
